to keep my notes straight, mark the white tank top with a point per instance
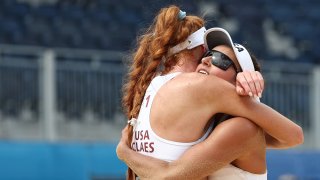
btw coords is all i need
(145, 140)
(231, 172)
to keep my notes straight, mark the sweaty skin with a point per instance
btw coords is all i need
(192, 87)
(246, 144)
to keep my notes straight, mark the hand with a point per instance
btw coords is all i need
(250, 83)
(123, 144)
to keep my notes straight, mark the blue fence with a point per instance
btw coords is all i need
(85, 161)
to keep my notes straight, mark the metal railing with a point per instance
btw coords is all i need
(289, 89)
(53, 87)
(58, 88)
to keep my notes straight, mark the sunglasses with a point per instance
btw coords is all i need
(220, 60)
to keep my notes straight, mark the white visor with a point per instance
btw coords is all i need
(218, 36)
(194, 40)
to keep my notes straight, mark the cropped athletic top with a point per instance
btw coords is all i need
(145, 140)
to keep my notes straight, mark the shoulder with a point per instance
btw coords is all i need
(202, 85)
(200, 79)
(236, 137)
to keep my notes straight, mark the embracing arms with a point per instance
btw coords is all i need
(252, 82)
(208, 155)
(285, 132)
(201, 160)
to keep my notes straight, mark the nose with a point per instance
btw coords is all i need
(206, 61)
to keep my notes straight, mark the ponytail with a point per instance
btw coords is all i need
(166, 31)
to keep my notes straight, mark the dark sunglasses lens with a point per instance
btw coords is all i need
(221, 61)
(206, 54)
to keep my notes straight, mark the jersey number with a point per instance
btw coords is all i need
(148, 98)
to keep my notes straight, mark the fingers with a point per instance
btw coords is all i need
(246, 82)
(123, 144)
(125, 135)
(251, 82)
(125, 130)
(240, 90)
(256, 83)
(261, 82)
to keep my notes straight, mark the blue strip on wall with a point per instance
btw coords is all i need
(98, 161)
(59, 161)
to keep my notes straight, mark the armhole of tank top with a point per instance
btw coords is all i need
(171, 76)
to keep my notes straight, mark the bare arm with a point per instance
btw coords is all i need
(252, 81)
(274, 143)
(220, 149)
(286, 132)
(216, 153)
(143, 166)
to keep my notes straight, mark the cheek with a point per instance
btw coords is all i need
(230, 75)
(226, 75)
(217, 72)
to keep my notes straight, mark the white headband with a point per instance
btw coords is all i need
(194, 40)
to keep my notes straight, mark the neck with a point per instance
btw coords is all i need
(184, 66)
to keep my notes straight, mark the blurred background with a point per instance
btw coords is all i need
(62, 64)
